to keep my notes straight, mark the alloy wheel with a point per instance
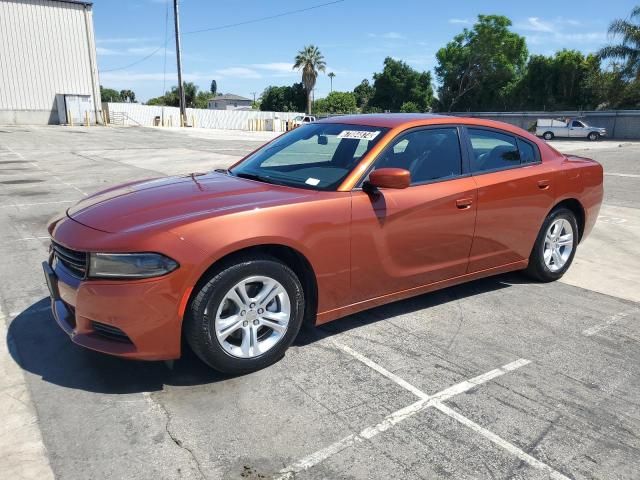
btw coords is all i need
(558, 244)
(252, 317)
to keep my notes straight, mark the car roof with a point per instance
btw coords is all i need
(403, 121)
(389, 120)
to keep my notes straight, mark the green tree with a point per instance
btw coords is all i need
(480, 67)
(128, 96)
(320, 105)
(399, 83)
(629, 49)
(193, 97)
(557, 82)
(331, 76)
(363, 93)
(340, 102)
(409, 107)
(311, 62)
(109, 95)
(283, 99)
(214, 88)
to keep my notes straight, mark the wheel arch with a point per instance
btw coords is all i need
(286, 254)
(577, 208)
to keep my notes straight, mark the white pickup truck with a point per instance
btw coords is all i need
(302, 119)
(570, 127)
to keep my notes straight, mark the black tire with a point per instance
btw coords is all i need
(199, 328)
(547, 135)
(593, 136)
(537, 268)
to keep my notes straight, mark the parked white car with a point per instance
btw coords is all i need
(570, 127)
(302, 119)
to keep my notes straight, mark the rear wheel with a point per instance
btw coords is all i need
(245, 316)
(555, 246)
(593, 136)
(548, 135)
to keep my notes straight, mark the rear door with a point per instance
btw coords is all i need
(402, 239)
(515, 193)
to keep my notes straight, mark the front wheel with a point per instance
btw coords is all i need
(593, 136)
(555, 246)
(246, 315)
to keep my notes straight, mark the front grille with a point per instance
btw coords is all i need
(74, 261)
(110, 332)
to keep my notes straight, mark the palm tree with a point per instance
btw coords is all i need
(629, 49)
(310, 61)
(331, 75)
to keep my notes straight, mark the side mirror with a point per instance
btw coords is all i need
(389, 178)
(323, 140)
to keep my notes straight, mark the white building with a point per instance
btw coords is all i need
(229, 101)
(48, 67)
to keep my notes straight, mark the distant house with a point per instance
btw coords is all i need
(229, 101)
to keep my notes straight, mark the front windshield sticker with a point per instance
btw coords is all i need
(358, 134)
(312, 181)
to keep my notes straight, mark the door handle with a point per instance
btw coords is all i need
(544, 184)
(464, 203)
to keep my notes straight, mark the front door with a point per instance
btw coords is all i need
(420, 235)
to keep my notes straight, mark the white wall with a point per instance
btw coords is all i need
(46, 48)
(136, 114)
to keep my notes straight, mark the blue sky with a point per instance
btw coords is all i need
(354, 35)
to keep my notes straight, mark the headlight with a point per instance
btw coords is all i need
(129, 265)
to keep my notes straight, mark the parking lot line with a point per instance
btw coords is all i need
(629, 175)
(51, 174)
(398, 416)
(607, 323)
(36, 204)
(509, 447)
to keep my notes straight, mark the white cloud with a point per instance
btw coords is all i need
(460, 21)
(280, 67)
(127, 40)
(107, 51)
(534, 24)
(560, 32)
(237, 72)
(388, 36)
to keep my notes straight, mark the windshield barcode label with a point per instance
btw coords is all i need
(358, 134)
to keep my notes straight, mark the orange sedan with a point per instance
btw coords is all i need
(332, 218)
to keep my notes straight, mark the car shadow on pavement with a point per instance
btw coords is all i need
(40, 347)
(410, 305)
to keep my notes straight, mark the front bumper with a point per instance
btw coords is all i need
(131, 319)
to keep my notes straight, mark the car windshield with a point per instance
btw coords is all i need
(316, 156)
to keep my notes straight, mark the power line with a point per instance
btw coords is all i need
(222, 27)
(136, 62)
(270, 17)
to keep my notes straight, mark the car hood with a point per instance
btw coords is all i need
(174, 200)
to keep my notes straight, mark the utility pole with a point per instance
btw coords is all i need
(183, 110)
(254, 96)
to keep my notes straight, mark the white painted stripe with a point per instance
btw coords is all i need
(22, 451)
(394, 418)
(381, 370)
(479, 380)
(630, 175)
(512, 449)
(37, 203)
(55, 177)
(607, 323)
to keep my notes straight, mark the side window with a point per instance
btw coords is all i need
(429, 154)
(576, 123)
(528, 153)
(492, 150)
